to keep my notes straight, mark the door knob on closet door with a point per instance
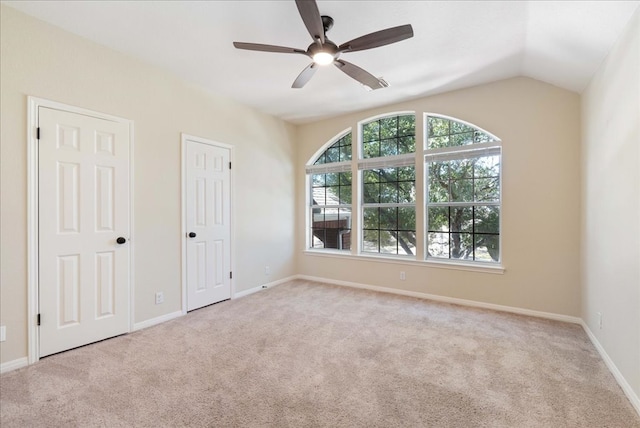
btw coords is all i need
(192, 234)
(121, 240)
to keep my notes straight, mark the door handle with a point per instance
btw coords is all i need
(121, 240)
(192, 234)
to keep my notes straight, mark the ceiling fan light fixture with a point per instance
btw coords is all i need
(323, 58)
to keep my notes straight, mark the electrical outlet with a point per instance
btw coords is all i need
(402, 276)
(3, 333)
(159, 297)
(267, 270)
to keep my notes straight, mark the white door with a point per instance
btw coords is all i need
(208, 237)
(83, 229)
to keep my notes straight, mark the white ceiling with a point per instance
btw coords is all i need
(456, 44)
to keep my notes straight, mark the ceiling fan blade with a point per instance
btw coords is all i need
(360, 75)
(305, 76)
(267, 48)
(311, 17)
(379, 38)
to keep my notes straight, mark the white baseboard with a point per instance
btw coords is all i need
(628, 391)
(264, 286)
(14, 364)
(156, 320)
(445, 299)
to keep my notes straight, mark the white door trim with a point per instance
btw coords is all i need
(183, 227)
(33, 103)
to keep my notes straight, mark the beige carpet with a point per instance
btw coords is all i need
(311, 355)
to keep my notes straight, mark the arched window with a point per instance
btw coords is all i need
(462, 191)
(389, 185)
(330, 196)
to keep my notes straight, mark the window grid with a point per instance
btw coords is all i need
(388, 223)
(465, 239)
(340, 151)
(463, 209)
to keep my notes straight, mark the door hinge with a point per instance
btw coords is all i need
(230, 275)
(229, 165)
(38, 319)
(38, 133)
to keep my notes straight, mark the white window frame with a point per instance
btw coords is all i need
(441, 154)
(325, 168)
(419, 160)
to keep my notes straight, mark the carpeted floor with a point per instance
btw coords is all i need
(306, 354)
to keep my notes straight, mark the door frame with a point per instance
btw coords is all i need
(33, 248)
(183, 203)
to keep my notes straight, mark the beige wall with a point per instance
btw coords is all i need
(43, 61)
(539, 125)
(611, 205)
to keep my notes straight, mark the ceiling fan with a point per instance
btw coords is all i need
(324, 52)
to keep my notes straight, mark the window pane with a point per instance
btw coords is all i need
(407, 219)
(406, 243)
(370, 176)
(345, 153)
(407, 125)
(406, 192)
(345, 178)
(487, 190)
(389, 127)
(458, 127)
(438, 245)
(487, 166)
(460, 246)
(371, 193)
(370, 241)
(462, 139)
(332, 154)
(438, 219)
(461, 219)
(438, 182)
(389, 193)
(487, 248)
(317, 180)
(436, 142)
(407, 173)
(437, 126)
(345, 194)
(340, 151)
(371, 131)
(388, 242)
(371, 149)
(317, 238)
(449, 133)
(319, 196)
(389, 136)
(388, 147)
(371, 218)
(388, 218)
(461, 190)
(487, 219)
(481, 137)
(406, 145)
(331, 228)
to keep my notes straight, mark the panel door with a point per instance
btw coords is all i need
(208, 240)
(83, 210)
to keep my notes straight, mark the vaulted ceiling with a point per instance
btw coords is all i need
(456, 44)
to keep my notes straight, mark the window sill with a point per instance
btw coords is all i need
(408, 260)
